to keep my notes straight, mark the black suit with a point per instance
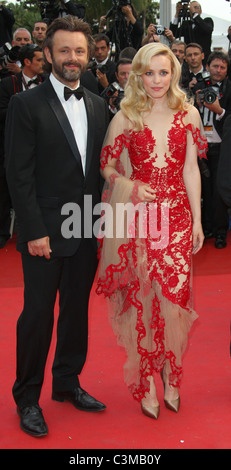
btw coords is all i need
(214, 211)
(44, 172)
(110, 67)
(224, 167)
(8, 87)
(199, 30)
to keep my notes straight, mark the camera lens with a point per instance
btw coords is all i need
(210, 97)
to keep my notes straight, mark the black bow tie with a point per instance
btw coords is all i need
(35, 80)
(79, 92)
(198, 76)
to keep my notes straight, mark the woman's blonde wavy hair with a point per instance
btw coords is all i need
(136, 101)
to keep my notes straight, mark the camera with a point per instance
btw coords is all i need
(207, 94)
(184, 11)
(116, 7)
(109, 92)
(8, 54)
(93, 66)
(159, 29)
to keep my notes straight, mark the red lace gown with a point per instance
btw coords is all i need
(146, 272)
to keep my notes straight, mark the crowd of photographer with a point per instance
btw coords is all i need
(205, 77)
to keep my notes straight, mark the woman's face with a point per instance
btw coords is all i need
(156, 80)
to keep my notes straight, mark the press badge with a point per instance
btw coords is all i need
(208, 128)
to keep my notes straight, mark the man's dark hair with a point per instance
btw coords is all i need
(28, 52)
(101, 37)
(122, 62)
(67, 23)
(194, 44)
(218, 55)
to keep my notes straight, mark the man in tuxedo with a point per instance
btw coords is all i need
(31, 75)
(214, 211)
(52, 163)
(224, 167)
(103, 68)
(193, 68)
(189, 25)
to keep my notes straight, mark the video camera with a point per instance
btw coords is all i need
(207, 94)
(109, 93)
(8, 54)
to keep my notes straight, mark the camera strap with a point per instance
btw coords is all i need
(15, 84)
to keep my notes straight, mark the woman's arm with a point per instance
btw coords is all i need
(115, 144)
(192, 180)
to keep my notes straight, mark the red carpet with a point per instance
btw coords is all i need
(205, 415)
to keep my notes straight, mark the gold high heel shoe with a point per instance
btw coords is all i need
(173, 405)
(147, 406)
(150, 410)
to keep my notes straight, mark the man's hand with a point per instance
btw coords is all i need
(40, 247)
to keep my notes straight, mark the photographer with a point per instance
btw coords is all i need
(9, 63)
(102, 67)
(126, 30)
(213, 99)
(6, 23)
(115, 92)
(157, 33)
(188, 24)
(192, 71)
(52, 9)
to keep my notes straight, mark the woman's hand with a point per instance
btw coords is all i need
(198, 237)
(146, 193)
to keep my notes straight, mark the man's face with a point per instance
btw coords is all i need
(179, 51)
(39, 32)
(194, 58)
(69, 56)
(195, 7)
(22, 38)
(36, 65)
(123, 74)
(218, 70)
(101, 51)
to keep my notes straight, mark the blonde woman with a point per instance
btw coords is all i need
(149, 163)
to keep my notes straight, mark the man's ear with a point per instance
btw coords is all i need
(47, 54)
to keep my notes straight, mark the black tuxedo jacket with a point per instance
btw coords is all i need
(201, 33)
(110, 74)
(9, 86)
(43, 165)
(224, 167)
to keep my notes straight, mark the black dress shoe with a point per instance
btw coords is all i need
(80, 399)
(208, 234)
(220, 242)
(32, 421)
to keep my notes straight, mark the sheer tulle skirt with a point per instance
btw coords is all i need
(151, 327)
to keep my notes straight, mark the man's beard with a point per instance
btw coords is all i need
(68, 75)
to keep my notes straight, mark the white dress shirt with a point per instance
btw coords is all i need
(77, 116)
(27, 79)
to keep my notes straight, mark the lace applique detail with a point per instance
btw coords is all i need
(165, 278)
(121, 141)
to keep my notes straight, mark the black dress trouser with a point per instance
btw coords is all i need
(72, 278)
(215, 217)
